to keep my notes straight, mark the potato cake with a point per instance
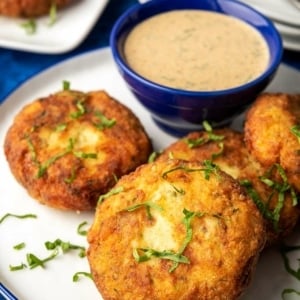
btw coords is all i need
(272, 133)
(29, 8)
(226, 148)
(68, 148)
(175, 230)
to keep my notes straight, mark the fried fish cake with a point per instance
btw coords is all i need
(29, 8)
(175, 230)
(68, 148)
(227, 149)
(272, 133)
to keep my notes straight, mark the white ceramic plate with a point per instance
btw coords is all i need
(91, 71)
(290, 36)
(71, 27)
(279, 10)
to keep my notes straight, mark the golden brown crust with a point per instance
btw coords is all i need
(235, 159)
(61, 151)
(268, 133)
(227, 235)
(29, 8)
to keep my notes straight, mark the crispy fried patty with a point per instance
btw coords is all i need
(226, 148)
(68, 148)
(29, 8)
(272, 133)
(175, 230)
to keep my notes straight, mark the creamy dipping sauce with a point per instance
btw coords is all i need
(196, 50)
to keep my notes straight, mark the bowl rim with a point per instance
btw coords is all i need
(121, 63)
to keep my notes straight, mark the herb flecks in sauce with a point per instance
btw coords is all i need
(189, 53)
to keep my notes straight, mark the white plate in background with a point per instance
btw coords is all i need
(71, 27)
(279, 10)
(55, 281)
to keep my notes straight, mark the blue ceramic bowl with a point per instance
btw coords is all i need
(179, 111)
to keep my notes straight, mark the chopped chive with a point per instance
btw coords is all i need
(209, 167)
(153, 156)
(285, 249)
(145, 254)
(81, 231)
(52, 14)
(77, 275)
(17, 216)
(84, 155)
(113, 191)
(289, 291)
(19, 246)
(29, 26)
(71, 178)
(19, 267)
(60, 127)
(296, 131)
(65, 247)
(80, 110)
(34, 262)
(103, 121)
(66, 85)
(148, 205)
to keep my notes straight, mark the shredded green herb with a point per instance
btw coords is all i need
(148, 205)
(17, 216)
(19, 246)
(19, 267)
(281, 188)
(145, 254)
(103, 121)
(72, 177)
(66, 85)
(285, 249)
(52, 14)
(43, 167)
(81, 231)
(77, 275)
(153, 156)
(84, 155)
(80, 109)
(65, 247)
(113, 191)
(208, 169)
(29, 26)
(61, 127)
(211, 136)
(34, 262)
(296, 131)
(289, 291)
